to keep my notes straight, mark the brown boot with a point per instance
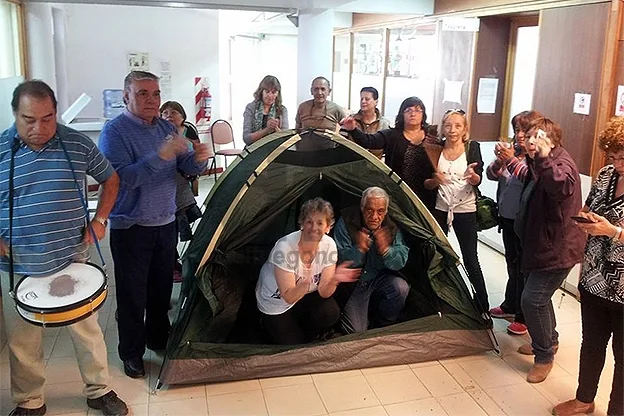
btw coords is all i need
(527, 349)
(573, 407)
(539, 372)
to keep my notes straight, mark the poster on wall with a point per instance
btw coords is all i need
(486, 95)
(165, 80)
(137, 61)
(619, 101)
(582, 103)
(203, 104)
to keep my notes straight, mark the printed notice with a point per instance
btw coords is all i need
(486, 96)
(619, 101)
(581, 103)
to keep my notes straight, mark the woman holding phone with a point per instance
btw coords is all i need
(601, 284)
(552, 243)
(265, 114)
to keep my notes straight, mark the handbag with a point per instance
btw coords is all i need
(487, 212)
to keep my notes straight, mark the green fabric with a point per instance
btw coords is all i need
(262, 191)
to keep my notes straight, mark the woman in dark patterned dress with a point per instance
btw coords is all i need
(602, 279)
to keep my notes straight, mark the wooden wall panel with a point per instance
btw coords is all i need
(490, 62)
(570, 61)
(449, 6)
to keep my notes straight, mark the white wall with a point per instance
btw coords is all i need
(99, 36)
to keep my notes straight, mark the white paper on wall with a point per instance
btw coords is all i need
(486, 96)
(619, 101)
(137, 61)
(165, 80)
(452, 91)
(582, 103)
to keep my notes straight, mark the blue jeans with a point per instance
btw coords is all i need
(539, 314)
(385, 294)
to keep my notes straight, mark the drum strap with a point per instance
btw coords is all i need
(84, 205)
(14, 148)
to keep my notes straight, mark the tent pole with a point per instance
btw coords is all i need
(157, 388)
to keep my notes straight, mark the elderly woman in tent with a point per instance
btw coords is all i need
(296, 284)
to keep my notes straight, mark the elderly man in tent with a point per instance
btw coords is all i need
(368, 237)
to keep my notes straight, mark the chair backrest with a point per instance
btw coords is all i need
(221, 132)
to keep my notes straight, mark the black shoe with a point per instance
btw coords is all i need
(109, 404)
(134, 368)
(22, 411)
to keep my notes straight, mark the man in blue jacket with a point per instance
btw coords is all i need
(368, 238)
(146, 151)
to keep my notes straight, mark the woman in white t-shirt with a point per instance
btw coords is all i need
(296, 283)
(458, 174)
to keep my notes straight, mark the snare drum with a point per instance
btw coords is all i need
(62, 298)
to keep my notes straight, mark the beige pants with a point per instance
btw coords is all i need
(26, 354)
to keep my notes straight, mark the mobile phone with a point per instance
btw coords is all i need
(583, 220)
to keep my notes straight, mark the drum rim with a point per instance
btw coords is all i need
(62, 323)
(66, 307)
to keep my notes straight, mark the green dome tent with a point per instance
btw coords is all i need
(217, 335)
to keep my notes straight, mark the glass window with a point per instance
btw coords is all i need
(10, 52)
(368, 52)
(342, 60)
(412, 66)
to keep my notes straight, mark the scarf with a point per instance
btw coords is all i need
(260, 114)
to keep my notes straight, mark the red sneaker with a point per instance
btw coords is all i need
(517, 328)
(498, 312)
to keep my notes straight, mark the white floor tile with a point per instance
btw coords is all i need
(428, 407)
(397, 386)
(438, 381)
(346, 393)
(299, 399)
(461, 404)
(247, 403)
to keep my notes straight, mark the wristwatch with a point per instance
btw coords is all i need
(101, 220)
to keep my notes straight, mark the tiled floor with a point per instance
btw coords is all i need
(486, 384)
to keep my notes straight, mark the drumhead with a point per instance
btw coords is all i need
(73, 284)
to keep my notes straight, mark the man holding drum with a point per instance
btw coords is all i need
(47, 233)
(146, 151)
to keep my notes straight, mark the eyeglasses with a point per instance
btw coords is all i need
(412, 110)
(455, 110)
(171, 113)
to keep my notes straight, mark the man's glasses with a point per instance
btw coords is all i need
(412, 110)
(455, 110)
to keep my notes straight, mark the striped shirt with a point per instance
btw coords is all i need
(48, 216)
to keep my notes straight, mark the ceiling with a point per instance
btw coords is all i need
(412, 7)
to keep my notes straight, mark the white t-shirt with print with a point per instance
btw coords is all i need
(457, 195)
(285, 255)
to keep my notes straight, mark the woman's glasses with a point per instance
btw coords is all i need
(455, 110)
(412, 110)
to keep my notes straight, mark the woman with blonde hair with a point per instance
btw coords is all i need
(459, 168)
(601, 284)
(296, 283)
(265, 114)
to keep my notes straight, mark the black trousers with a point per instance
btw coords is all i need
(302, 323)
(144, 258)
(601, 318)
(515, 282)
(465, 226)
